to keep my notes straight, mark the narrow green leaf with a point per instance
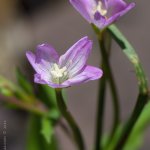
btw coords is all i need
(47, 95)
(142, 84)
(7, 88)
(35, 140)
(6, 92)
(47, 129)
(33, 137)
(114, 140)
(23, 82)
(136, 138)
(132, 56)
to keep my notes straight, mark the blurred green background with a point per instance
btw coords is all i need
(26, 23)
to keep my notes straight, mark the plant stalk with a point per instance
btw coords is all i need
(67, 115)
(109, 76)
(142, 83)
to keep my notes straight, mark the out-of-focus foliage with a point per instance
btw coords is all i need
(35, 140)
(135, 139)
(41, 128)
(23, 83)
(47, 129)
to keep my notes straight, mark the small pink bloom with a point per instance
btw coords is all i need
(101, 12)
(66, 70)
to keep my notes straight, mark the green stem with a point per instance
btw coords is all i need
(142, 82)
(110, 78)
(66, 114)
(100, 112)
(108, 73)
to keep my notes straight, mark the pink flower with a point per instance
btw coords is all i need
(66, 70)
(101, 12)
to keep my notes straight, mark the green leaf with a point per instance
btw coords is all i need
(33, 137)
(114, 140)
(54, 114)
(6, 92)
(47, 129)
(6, 87)
(35, 140)
(142, 84)
(132, 56)
(135, 139)
(47, 95)
(24, 83)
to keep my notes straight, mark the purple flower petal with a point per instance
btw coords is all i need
(83, 7)
(128, 7)
(118, 15)
(38, 79)
(104, 3)
(37, 66)
(70, 69)
(111, 20)
(100, 23)
(89, 73)
(92, 10)
(47, 53)
(42, 61)
(42, 69)
(117, 6)
(97, 16)
(75, 58)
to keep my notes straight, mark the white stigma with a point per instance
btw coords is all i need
(59, 74)
(100, 9)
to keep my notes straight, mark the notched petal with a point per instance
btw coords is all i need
(89, 73)
(47, 53)
(71, 66)
(82, 6)
(75, 58)
(113, 10)
(31, 58)
(42, 68)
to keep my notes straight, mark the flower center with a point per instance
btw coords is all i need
(99, 11)
(59, 75)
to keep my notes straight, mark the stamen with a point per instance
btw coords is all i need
(59, 75)
(99, 10)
